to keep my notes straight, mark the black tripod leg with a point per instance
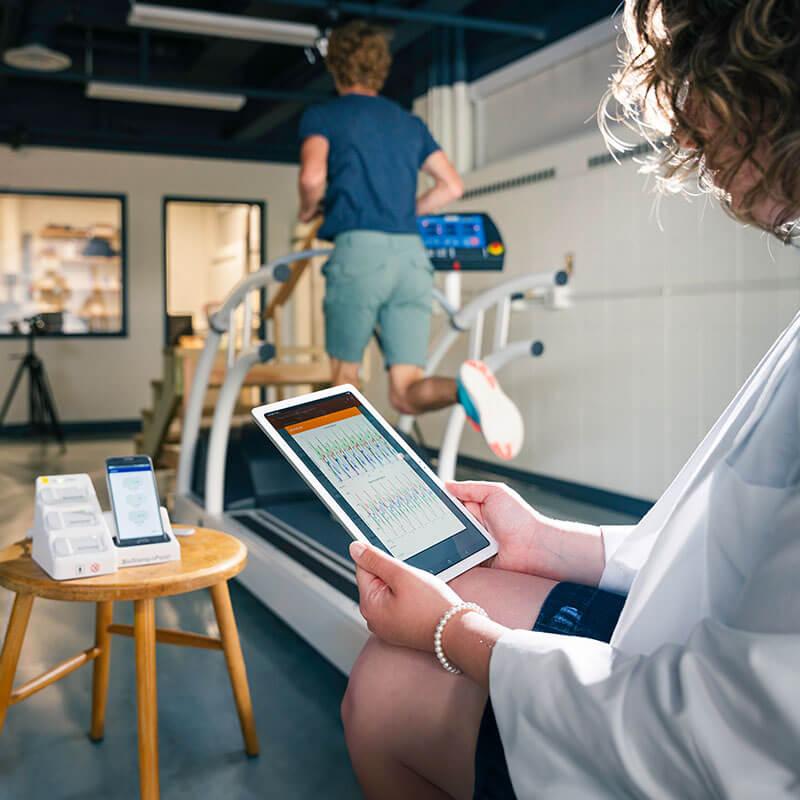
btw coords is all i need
(11, 391)
(49, 415)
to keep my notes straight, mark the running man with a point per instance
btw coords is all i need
(361, 155)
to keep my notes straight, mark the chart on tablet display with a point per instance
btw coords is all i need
(385, 491)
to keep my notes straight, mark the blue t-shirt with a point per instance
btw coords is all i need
(376, 151)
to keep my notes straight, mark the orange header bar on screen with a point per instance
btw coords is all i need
(318, 422)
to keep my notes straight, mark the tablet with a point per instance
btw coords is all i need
(373, 482)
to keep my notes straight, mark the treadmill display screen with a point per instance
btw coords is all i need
(383, 490)
(459, 232)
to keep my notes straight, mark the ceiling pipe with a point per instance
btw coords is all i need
(403, 36)
(439, 18)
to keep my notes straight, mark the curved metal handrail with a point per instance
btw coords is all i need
(273, 272)
(464, 319)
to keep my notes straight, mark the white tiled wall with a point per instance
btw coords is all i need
(673, 308)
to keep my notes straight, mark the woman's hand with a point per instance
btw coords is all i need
(402, 605)
(528, 541)
(514, 524)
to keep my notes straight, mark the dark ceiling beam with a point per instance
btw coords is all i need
(18, 135)
(304, 95)
(12, 23)
(402, 37)
(12, 27)
(422, 15)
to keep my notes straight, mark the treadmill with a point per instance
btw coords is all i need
(234, 479)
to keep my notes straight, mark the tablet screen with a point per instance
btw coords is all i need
(390, 498)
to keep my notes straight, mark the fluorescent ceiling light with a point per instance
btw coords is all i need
(38, 57)
(231, 26)
(131, 93)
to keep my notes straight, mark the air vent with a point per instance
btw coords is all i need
(606, 158)
(511, 183)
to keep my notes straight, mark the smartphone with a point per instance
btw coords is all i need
(134, 501)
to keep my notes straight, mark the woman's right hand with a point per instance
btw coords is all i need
(530, 542)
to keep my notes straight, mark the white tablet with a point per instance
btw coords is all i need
(373, 482)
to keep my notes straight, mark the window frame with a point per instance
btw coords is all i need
(122, 333)
(179, 198)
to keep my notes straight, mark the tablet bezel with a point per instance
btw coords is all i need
(260, 416)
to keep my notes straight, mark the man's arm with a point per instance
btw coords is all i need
(313, 176)
(448, 185)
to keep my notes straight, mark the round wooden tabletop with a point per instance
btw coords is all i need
(208, 557)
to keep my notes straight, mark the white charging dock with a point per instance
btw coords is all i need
(143, 554)
(70, 537)
(73, 538)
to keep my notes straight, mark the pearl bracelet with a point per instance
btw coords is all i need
(437, 637)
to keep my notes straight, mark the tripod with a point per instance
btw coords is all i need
(42, 415)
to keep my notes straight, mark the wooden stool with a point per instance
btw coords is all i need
(208, 560)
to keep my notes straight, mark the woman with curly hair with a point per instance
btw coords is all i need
(660, 660)
(360, 159)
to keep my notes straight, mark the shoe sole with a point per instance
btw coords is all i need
(501, 423)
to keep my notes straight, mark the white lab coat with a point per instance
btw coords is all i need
(698, 694)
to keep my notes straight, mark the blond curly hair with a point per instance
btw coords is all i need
(359, 55)
(720, 79)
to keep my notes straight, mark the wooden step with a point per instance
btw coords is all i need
(170, 456)
(273, 374)
(156, 388)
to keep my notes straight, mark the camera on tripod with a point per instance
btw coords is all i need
(39, 324)
(42, 415)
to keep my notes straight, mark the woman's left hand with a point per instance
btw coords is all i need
(402, 605)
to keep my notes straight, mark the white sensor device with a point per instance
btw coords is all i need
(70, 537)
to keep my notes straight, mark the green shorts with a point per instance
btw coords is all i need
(378, 281)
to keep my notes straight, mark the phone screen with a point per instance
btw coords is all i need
(134, 499)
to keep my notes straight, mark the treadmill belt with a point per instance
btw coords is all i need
(316, 522)
(321, 566)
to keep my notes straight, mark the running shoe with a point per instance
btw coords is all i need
(489, 409)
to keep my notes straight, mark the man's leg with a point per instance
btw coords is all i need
(344, 372)
(412, 728)
(410, 392)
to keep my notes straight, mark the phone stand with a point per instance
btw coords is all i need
(70, 536)
(140, 555)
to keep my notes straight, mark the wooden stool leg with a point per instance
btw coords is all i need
(102, 640)
(12, 646)
(229, 634)
(144, 624)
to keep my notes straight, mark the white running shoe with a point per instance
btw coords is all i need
(490, 410)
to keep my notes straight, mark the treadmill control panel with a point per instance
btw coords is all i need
(462, 242)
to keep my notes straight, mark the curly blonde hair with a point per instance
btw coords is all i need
(720, 79)
(359, 54)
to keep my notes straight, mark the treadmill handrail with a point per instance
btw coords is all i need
(221, 428)
(260, 279)
(466, 316)
(463, 320)
(219, 324)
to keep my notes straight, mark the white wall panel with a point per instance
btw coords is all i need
(547, 107)
(673, 307)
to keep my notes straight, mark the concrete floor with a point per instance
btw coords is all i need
(44, 749)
